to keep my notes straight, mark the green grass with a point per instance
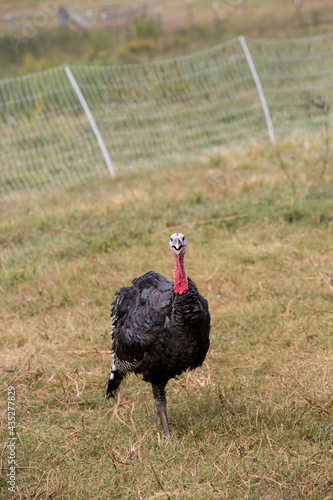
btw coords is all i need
(256, 420)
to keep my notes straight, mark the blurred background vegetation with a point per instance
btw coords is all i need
(185, 27)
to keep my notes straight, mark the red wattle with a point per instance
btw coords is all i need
(180, 284)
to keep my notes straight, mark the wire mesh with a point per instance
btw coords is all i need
(157, 114)
(297, 77)
(45, 138)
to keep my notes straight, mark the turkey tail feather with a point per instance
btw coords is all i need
(113, 383)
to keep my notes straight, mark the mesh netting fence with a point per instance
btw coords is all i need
(157, 114)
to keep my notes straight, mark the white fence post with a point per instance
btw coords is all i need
(91, 120)
(259, 89)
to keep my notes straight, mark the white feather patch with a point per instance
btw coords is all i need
(112, 372)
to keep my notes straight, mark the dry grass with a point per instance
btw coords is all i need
(256, 420)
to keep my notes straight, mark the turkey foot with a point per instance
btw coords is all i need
(160, 400)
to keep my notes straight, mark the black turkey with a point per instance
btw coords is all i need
(159, 329)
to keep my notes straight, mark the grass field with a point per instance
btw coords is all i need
(256, 420)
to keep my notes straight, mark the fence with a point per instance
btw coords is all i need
(158, 113)
(95, 16)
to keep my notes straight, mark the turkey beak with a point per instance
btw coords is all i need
(177, 244)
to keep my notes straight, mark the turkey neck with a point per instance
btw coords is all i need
(180, 284)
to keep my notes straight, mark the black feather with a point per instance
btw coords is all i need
(156, 332)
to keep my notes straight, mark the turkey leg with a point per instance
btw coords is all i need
(160, 400)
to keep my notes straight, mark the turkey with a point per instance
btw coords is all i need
(159, 329)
